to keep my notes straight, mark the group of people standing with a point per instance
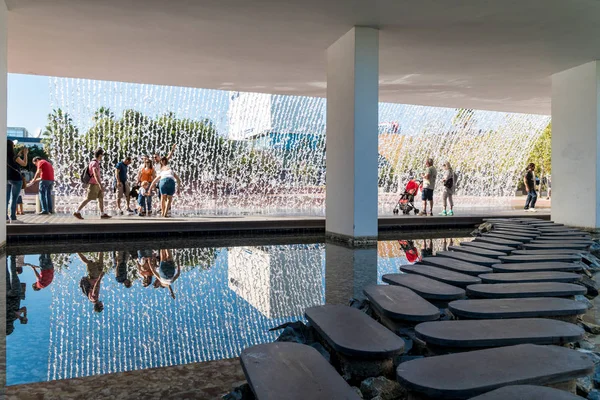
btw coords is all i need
(152, 176)
(429, 178)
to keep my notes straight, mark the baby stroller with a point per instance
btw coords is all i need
(406, 201)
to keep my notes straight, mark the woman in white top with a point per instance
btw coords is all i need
(166, 183)
(448, 189)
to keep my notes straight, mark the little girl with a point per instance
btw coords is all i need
(144, 199)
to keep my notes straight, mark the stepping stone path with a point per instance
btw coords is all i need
(578, 239)
(568, 233)
(568, 258)
(442, 275)
(515, 232)
(545, 252)
(520, 290)
(456, 265)
(557, 229)
(485, 261)
(563, 241)
(520, 228)
(561, 245)
(400, 304)
(427, 288)
(521, 239)
(351, 332)
(527, 392)
(516, 308)
(292, 371)
(488, 246)
(443, 377)
(550, 266)
(474, 334)
(477, 251)
(494, 240)
(541, 276)
(545, 224)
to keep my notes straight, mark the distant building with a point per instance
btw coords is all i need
(21, 135)
(17, 132)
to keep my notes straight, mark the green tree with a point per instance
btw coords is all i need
(541, 153)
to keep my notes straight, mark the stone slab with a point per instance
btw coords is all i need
(578, 239)
(516, 308)
(456, 265)
(441, 274)
(515, 228)
(445, 377)
(292, 371)
(544, 224)
(546, 252)
(515, 232)
(477, 251)
(400, 303)
(554, 229)
(494, 240)
(542, 246)
(541, 276)
(474, 334)
(549, 266)
(519, 258)
(567, 233)
(351, 332)
(485, 261)
(563, 240)
(428, 288)
(527, 392)
(520, 290)
(488, 246)
(522, 239)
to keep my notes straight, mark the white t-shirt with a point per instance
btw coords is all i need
(143, 192)
(166, 173)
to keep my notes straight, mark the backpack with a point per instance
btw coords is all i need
(85, 175)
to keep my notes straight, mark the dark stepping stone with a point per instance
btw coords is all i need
(545, 252)
(442, 275)
(477, 251)
(284, 370)
(567, 233)
(488, 246)
(351, 332)
(471, 258)
(400, 303)
(541, 276)
(516, 308)
(520, 290)
(516, 227)
(567, 258)
(544, 224)
(563, 241)
(537, 266)
(564, 238)
(542, 246)
(555, 229)
(445, 377)
(427, 288)
(456, 265)
(474, 334)
(527, 392)
(494, 240)
(516, 233)
(522, 239)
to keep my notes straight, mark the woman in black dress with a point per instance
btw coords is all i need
(14, 180)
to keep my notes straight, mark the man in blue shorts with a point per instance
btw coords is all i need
(429, 178)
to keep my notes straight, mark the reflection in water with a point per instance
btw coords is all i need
(129, 309)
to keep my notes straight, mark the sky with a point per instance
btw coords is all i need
(28, 101)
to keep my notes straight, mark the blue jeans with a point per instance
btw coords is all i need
(531, 199)
(46, 196)
(145, 202)
(13, 188)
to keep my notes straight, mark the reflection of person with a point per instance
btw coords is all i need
(167, 272)
(14, 294)
(120, 264)
(410, 250)
(429, 177)
(445, 244)
(145, 262)
(427, 250)
(90, 284)
(166, 183)
(529, 181)
(46, 274)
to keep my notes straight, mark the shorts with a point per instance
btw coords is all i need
(20, 200)
(427, 194)
(167, 186)
(93, 192)
(123, 190)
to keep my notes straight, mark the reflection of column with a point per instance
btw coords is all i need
(348, 271)
(3, 290)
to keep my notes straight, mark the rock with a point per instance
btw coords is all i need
(584, 386)
(381, 388)
(592, 354)
(594, 395)
(591, 286)
(358, 392)
(582, 299)
(596, 378)
(362, 305)
(590, 328)
(402, 359)
(319, 347)
(586, 344)
(241, 392)
(296, 332)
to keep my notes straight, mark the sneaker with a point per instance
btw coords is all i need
(15, 221)
(532, 209)
(77, 215)
(120, 212)
(450, 212)
(43, 213)
(105, 216)
(431, 214)
(422, 214)
(129, 210)
(443, 213)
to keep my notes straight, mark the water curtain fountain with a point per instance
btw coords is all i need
(251, 153)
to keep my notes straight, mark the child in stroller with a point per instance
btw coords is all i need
(406, 201)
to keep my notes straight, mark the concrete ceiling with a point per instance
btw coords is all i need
(484, 54)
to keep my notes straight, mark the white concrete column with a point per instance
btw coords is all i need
(3, 107)
(352, 117)
(576, 146)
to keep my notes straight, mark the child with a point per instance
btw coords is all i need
(21, 196)
(144, 199)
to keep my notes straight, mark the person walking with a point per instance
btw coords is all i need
(429, 178)
(14, 180)
(95, 189)
(529, 181)
(45, 176)
(123, 188)
(90, 284)
(448, 189)
(166, 184)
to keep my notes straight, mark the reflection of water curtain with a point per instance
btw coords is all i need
(250, 152)
(144, 328)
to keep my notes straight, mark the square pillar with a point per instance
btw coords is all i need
(3, 107)
(352, 118)
(576, 146)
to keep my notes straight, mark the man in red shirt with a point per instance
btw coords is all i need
(45, 175)
(46, 274)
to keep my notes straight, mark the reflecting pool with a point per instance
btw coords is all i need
(97, 311)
